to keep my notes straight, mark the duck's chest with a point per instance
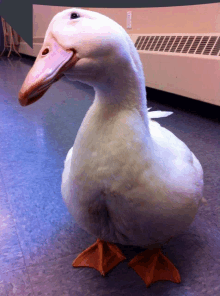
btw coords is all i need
(110, 152)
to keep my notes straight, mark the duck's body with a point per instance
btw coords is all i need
(126, 179)
(129, 186)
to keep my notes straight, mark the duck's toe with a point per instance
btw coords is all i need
(103, 256)
(153, 266)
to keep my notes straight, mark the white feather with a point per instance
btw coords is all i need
(159, 114)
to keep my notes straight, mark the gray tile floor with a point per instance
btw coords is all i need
(39, 239)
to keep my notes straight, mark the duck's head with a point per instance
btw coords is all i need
(86, 45)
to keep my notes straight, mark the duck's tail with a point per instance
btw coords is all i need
(158, 114)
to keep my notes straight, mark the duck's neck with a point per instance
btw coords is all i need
(124, 90)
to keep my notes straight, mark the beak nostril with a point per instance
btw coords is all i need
(45, 51)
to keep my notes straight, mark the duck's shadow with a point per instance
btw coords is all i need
(185, 251)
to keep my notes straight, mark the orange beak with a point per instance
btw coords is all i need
(51, 63)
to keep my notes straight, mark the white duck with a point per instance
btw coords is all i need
(126, 180)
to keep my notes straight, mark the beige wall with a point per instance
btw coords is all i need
(184, 19)
(42, 15)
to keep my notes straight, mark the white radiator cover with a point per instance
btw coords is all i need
(184, 64)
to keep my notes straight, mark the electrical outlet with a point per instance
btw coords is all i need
(129, 17)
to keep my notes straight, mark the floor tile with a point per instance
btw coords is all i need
(16, 283)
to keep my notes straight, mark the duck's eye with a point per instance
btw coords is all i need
(74, 15)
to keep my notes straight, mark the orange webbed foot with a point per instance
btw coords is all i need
(103, 256)
(153, 266)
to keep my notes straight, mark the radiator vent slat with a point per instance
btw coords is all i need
(141, 42)
(175, 44)
(170, 43)
(149, 43)
(188, 44)
(185, 44)
(137, 41)
(159, 43)
(154, 43)
(216, 48)
(164, 43)
(210, 45)
(145, 42)
(195, 44)
(202, 44)
(181, 44)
